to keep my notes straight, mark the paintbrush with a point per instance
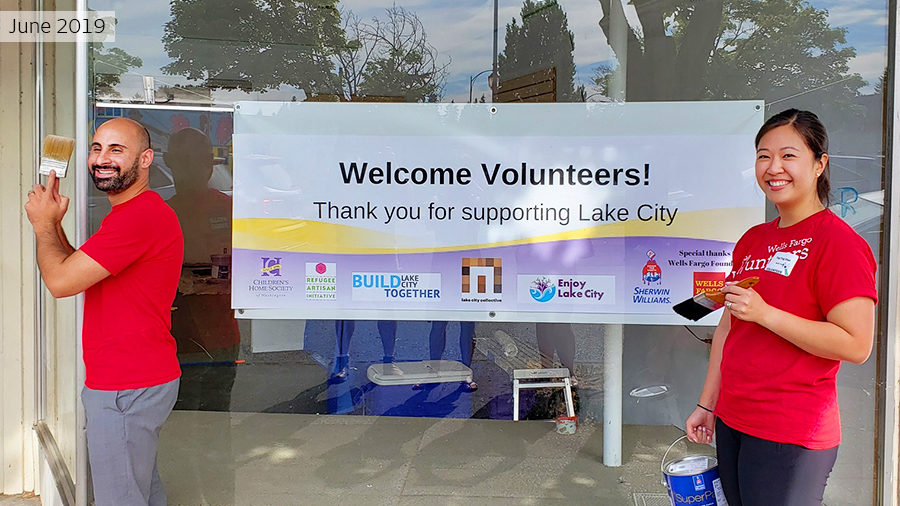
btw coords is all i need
(704, 303)
(55, 155)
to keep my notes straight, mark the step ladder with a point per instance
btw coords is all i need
(542, 378)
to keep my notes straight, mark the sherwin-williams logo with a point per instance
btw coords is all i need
(699, 483)
(321, 281)
(482, 280)
(542, 289)
(651, 273)
(271, 266)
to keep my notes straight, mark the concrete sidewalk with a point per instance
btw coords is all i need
(20, 500)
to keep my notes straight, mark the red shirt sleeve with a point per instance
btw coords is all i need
(846, 269)
(116, 245)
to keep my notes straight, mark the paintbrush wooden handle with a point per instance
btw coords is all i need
(719, 297)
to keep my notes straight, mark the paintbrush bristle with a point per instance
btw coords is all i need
(55, 154)
(691, 310)
(697, 306)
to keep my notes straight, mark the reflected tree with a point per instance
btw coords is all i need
(732, 49)
(109, 64)
(257, 45)
(666, 58)
(356, 54)
(541, 42)
(391, 58)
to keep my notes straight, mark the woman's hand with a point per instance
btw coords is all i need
(700, 426)
(745, 303)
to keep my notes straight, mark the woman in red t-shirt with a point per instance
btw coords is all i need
(770, 396)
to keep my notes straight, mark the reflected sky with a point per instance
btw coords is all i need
(462, 32)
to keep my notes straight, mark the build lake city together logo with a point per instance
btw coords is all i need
(398, 287)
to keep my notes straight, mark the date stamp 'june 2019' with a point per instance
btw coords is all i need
(57, 26)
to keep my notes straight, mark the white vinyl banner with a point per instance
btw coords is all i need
(520, 212)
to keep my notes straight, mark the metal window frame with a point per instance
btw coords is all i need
(82, 116)
(887, 400)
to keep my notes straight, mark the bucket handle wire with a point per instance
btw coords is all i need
(663, 463)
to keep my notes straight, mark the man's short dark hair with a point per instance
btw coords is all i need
(146, 137)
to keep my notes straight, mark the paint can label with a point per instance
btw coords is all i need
(566, 424)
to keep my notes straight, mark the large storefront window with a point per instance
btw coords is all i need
(248, 426)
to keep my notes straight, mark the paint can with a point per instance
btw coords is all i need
(221, 267)
(692, 480)
(566, 424)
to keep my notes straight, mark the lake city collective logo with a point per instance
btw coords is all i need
(321, 281)
(482, 280)
(542, 289)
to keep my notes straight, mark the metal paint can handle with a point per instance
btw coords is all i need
(662, 464)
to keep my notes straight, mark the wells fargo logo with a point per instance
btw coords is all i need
(708, 281)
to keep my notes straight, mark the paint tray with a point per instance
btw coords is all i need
(413, 373)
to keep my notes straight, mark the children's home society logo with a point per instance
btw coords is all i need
(321, 281)
(269, 284)
(271, 266)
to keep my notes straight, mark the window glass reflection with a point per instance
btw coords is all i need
(823, 55)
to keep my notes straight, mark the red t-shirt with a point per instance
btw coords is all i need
(126, 336)
(770, 388)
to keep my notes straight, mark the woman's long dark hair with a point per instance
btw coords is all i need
(812, 130)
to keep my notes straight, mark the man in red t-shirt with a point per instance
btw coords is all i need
(129, 272)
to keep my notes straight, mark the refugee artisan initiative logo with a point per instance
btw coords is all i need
(321, 281)
(482, 280)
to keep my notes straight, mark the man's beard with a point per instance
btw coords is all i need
(118, 183)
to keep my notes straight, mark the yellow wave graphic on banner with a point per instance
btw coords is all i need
(282, 234)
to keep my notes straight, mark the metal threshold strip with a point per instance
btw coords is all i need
(64, 484)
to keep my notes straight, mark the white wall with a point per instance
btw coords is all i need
(17, 281)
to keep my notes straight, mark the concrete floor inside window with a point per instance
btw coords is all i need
(295, 436)
(263, 458)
